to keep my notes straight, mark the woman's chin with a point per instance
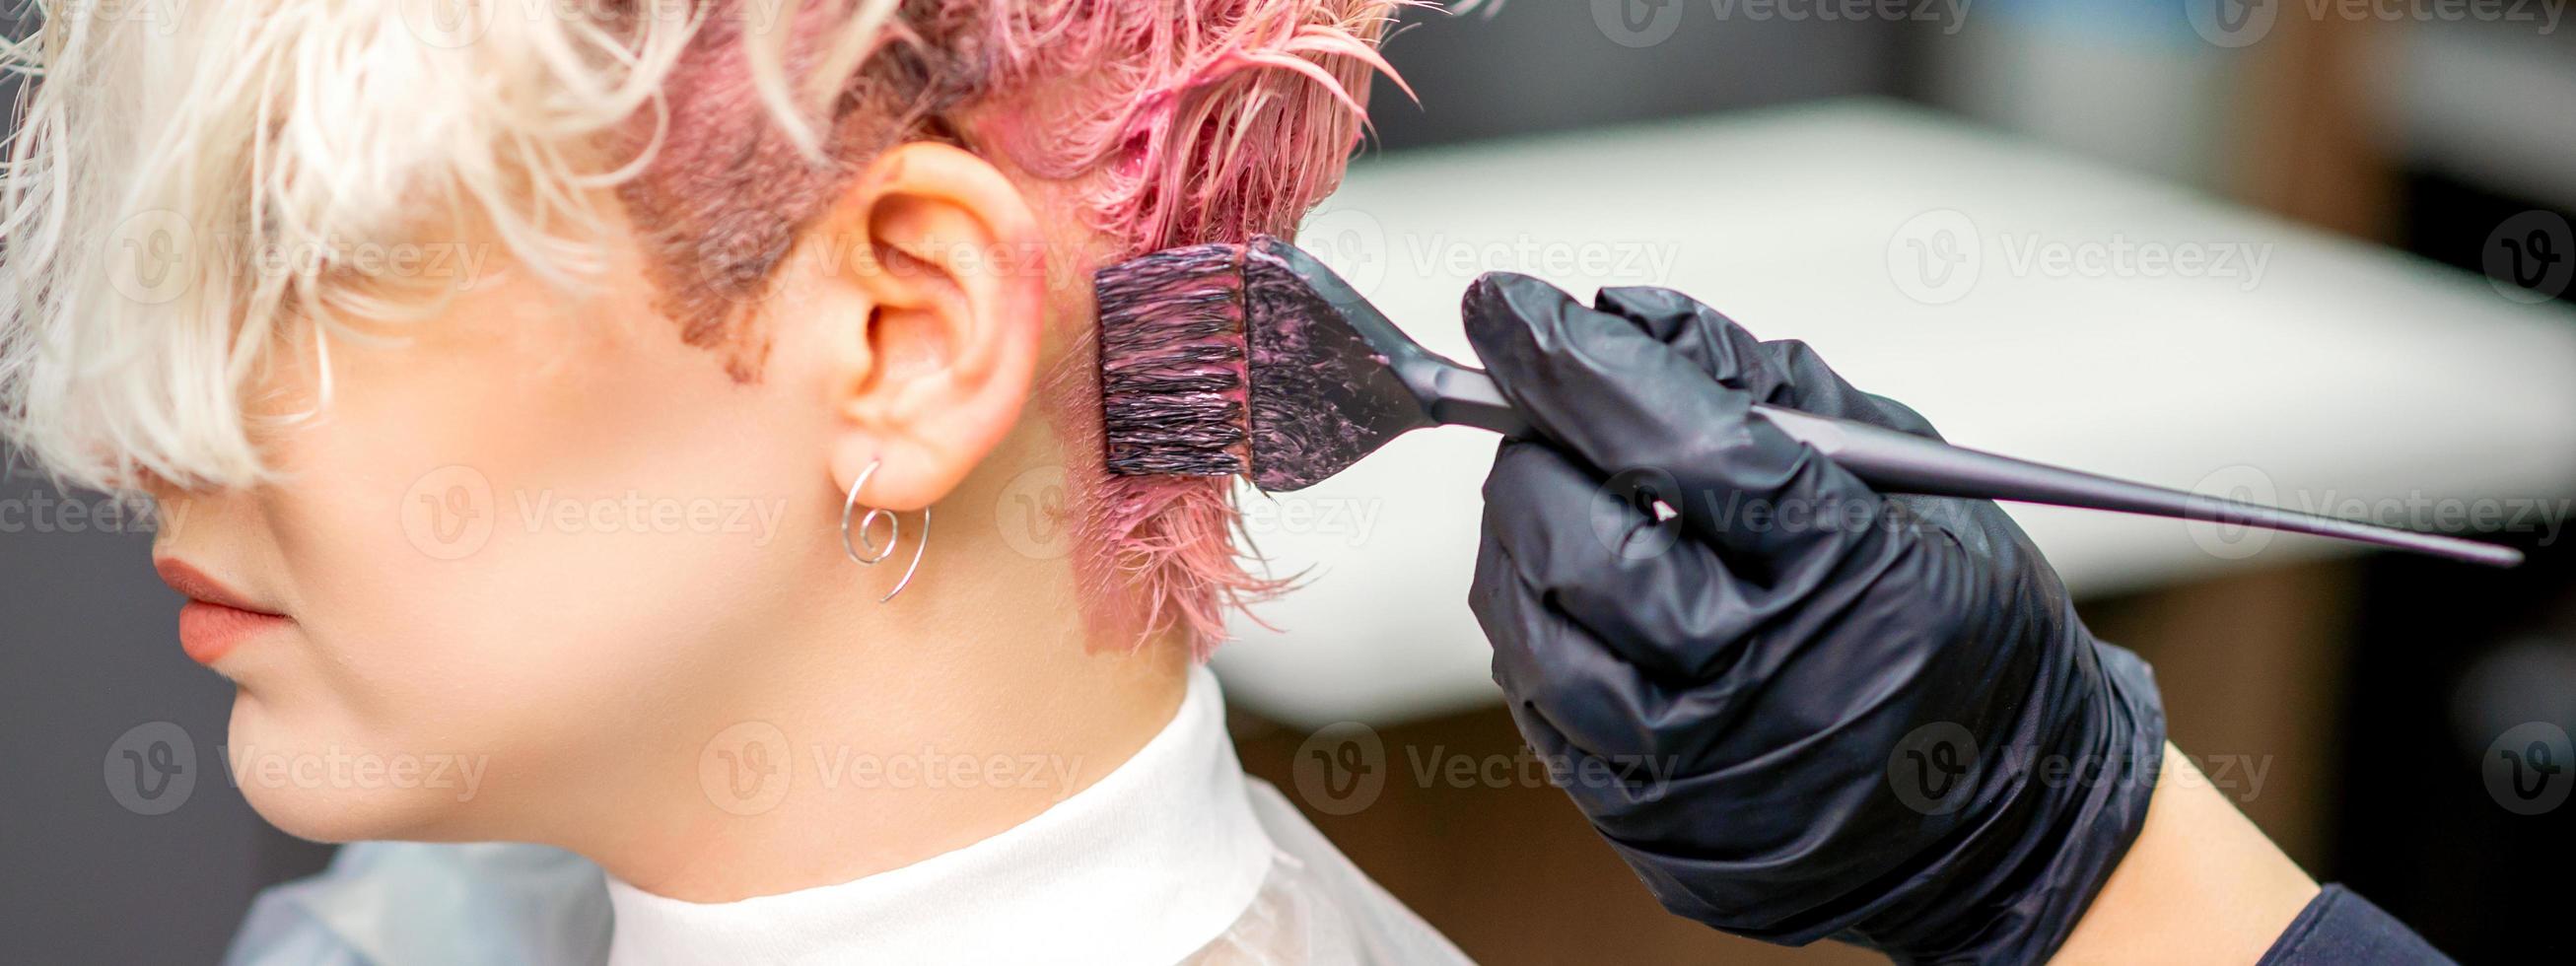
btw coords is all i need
(331, 790)
(326, 817)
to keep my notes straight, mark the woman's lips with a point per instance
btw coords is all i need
(216, 619)
(210, 631)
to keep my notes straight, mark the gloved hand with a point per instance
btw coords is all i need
(1797, 707)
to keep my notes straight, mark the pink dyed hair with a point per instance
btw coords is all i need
(1180, 121)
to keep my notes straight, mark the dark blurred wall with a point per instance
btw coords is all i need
(2447, 665)
(1547, 65)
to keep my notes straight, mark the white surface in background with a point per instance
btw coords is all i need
(2342, 371)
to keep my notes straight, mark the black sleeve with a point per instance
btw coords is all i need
(2344, 929)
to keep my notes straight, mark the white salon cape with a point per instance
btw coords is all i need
(1175, 857)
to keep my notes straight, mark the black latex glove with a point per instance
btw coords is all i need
(1800, 709)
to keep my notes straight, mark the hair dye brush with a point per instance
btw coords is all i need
(1222, 360)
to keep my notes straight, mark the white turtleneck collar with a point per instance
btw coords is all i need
(1156, 860)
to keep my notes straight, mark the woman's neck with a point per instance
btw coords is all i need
(949, 720)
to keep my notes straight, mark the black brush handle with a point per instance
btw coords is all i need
(1895, 462)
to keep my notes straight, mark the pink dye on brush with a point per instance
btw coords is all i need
(1180, 122)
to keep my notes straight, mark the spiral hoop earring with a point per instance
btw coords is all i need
(894, 533)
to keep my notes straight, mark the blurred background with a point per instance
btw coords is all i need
(2403, 167)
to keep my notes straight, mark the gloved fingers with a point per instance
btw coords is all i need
(1549, 667)
(1607, 782)
(1816, 388)
(1596, 551)
(1726, 662)
(1703, 335)
(1598, 386)
(1661, 799)
(1784, 373)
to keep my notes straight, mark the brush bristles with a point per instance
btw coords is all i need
(1172, 379)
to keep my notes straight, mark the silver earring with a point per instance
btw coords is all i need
(894, 532)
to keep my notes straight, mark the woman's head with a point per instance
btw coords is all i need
(523, 352)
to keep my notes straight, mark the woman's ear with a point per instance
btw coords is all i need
(936, 308)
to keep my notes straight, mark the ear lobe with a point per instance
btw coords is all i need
(944, 288)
